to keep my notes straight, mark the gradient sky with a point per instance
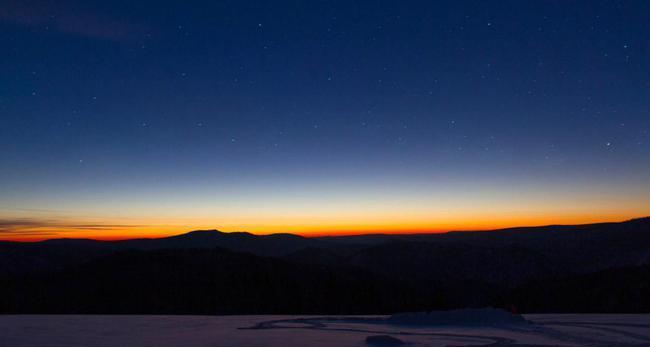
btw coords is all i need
(143, 118)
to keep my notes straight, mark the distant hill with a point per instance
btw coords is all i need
(456, 269)
(205, 281)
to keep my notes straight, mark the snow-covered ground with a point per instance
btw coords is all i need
(314, 331)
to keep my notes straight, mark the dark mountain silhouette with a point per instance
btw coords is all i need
(265, 245)
(506, 257)
(213, 272)
(20, 258)
(206, 281)
(613, 290)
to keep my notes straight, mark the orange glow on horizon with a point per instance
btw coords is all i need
(112, 232)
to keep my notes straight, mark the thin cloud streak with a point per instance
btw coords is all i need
(35, 226)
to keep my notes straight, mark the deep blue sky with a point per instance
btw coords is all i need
(282, 115)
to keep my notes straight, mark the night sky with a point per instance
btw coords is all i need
(141, 118)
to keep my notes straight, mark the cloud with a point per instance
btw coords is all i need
(9, 225)
(68, 18)
(102, 226)
(37, 226)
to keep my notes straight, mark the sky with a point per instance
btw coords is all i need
(147, 118)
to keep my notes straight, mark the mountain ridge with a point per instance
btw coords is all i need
(215, 232)
(455, 269)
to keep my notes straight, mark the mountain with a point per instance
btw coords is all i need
(205, 281)
(456, 269)
(506, 256)
(613, 290)
(264, 245)
(27, 257)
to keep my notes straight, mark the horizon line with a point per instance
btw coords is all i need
(322, 235)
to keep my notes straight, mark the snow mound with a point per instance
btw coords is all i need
(465, 317)
(384, 341)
